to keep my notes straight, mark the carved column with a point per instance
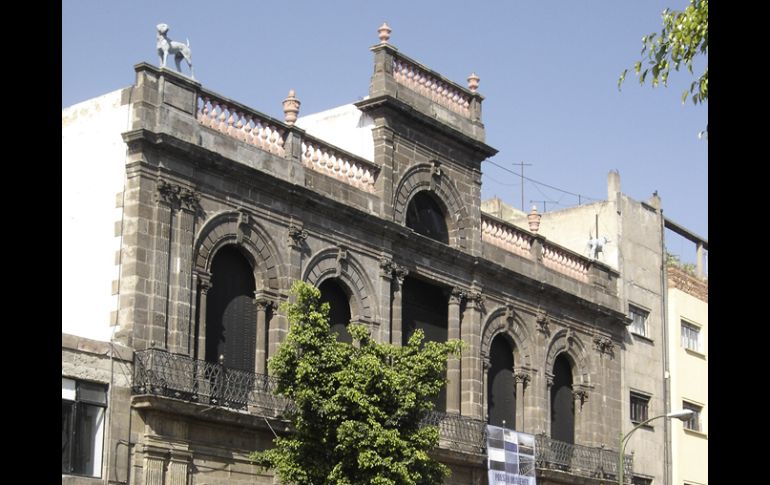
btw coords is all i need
(154, 465)
(522, 381)
(396, 331)
(453, 363)
(386, 295)
(178, 467)
(485, 365)
(260, 359)
(204, 285)
(471, 362)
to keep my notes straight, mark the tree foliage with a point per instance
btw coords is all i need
(684, 35)
(359, 406)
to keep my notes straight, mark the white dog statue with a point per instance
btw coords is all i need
(596, 246)
(177, 49)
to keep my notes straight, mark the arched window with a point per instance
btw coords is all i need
(562, 402)
(501, 387)
(426, 306)
(339, 309)
(231, 315)
(425, 216)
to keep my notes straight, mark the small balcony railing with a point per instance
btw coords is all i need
(578, 459)
(161, 373)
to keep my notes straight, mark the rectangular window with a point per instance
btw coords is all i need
(639, 405)
(641, 481)
(638, 320)
(83, 406)
(694, 422)
(690, 337)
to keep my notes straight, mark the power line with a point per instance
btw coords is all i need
(579, 196)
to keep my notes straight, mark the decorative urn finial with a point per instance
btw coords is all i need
(473, 82)
(291, 107)
(384, 31)
(534, 219)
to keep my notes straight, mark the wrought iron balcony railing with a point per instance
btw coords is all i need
(578, 459)
(162, 373)
(159, 372)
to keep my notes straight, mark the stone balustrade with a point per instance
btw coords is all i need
(336, 164)
(431, 86)
(565, 262)
(506, 236)
(240, 123)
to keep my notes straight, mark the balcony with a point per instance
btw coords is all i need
(160, 373)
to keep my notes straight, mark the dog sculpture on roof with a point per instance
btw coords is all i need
(177, 49)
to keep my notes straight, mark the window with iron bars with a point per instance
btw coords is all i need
(690, 336)
(639, 406)
(638, 321)
(694, 422)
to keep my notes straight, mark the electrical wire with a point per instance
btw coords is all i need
(581, 196)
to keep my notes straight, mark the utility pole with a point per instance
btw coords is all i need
(522, 165)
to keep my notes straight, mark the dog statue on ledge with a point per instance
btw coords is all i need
(177, 49)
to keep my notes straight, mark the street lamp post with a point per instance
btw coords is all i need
(684, 415)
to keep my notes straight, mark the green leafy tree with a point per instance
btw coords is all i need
(684, 36)
(358, 407)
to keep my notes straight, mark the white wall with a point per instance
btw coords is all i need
(93, 170)
(346, 127)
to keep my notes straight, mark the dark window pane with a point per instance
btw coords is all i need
(87, 457)
(339, 309)
(501, 388)
(562, 402)
(425, 216)
(67, 417)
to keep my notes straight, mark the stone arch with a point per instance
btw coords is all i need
(506, 321)
(338, 263)
(566, 342)
(427, 177)
(240, 229)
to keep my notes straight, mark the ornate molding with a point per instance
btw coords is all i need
(177, 197)
(390, 269)
(604, 345)
(543, 320)
(475, 298)
(457, 295)
(580, 395)
(296, 236)
(204, 282)
(522, 377)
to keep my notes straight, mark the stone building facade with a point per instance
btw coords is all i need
(392, 226)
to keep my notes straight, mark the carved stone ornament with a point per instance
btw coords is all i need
(604, 344)
(177, 196)
(522, 377)
(580, 395)
(457, 295)
(542, 323)
(435, 168)
(297, 235)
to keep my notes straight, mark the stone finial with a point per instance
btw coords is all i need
(473, 82)
(534, 219)
(384, 32)
(291, 107)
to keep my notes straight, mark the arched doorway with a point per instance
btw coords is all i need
(425, 216)
(501, 386)
(339, 309)
(231, 314)
(562, 402)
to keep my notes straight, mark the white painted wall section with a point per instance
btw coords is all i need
(93, 173)
(346, 127)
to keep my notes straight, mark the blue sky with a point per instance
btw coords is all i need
(548, 72)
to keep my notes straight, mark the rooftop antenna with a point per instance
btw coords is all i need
(522, 165)
(544, 203)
